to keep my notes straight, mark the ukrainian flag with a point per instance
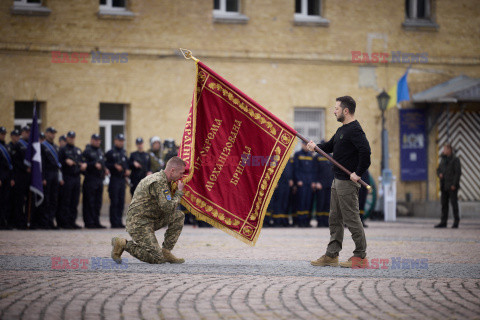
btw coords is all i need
(399, 92)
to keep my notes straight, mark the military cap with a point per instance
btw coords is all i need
(119, 136)
(96, 136)
(139, 140)
(51, 129)
(26, 128)
(71, 134)
(15, 132)
(3, 130)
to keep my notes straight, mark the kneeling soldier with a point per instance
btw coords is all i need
(153, 207)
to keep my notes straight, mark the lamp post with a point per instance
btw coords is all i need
(382, 100)
(388, 181)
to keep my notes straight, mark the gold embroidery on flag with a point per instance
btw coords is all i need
(255, 115)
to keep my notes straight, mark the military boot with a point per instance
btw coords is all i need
(324, 261)
(355, 263)
(169, 257)
(118, 246)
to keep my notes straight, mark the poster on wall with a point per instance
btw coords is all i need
(413, 145)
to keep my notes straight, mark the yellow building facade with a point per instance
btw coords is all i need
(282, 57)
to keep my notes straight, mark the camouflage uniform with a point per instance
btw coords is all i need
(153, 207)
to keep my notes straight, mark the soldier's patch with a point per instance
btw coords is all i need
(167, 194)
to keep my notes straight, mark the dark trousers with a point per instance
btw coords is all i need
(452, 196)
(280, 205)
(116, 192)
(304, 204)
(69, 200)
(4, 201)
(92, 200)
(39, 214)
(323, 206)
(51, 196)
(20, 194)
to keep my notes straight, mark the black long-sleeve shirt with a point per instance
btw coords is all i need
(350, 148)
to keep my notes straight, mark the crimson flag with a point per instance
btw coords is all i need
(235, 152)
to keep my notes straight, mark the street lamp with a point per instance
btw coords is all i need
(382, 100)
(388, 181)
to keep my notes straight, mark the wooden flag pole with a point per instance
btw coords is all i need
(323, 153)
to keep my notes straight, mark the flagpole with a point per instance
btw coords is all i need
(187, 54)
(329, 158)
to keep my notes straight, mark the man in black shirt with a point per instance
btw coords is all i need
(351, 149)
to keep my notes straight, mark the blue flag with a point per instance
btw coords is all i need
(403, 93)
(33, 157)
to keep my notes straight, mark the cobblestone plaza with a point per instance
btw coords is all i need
(430, 274)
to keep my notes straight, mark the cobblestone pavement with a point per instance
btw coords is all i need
(226, 279)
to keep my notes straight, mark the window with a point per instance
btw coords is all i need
(112, 122)
(309, 12)
(24, 113)
(228, 11)
(112, 4)
(29, 7)
(418, 14)
(114, 8)
(36, 3)
(310, 122)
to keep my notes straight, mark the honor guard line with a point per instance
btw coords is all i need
(188, 55)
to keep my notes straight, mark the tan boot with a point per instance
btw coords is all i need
(170, 257)
(324, 261)
(355, 263)
(118, 246)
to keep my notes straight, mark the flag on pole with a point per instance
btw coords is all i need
(235, 152)
(399, 92)
(33, 158)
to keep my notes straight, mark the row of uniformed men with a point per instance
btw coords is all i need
(303, 188)
(61, 169)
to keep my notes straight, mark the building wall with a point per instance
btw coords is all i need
(279, 64)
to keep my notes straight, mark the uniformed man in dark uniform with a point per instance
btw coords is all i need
(62, 142)
(304, 172)
(324, 179)
(21, 172)
(117, 163)
(14, 137)
(72, 164)
(139, 164)
(6, 180)
(281, 196)
(51, 169)
(93, 183)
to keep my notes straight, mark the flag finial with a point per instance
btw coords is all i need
(187, 54)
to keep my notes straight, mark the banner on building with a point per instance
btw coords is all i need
(413, 145)
(235, 152)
